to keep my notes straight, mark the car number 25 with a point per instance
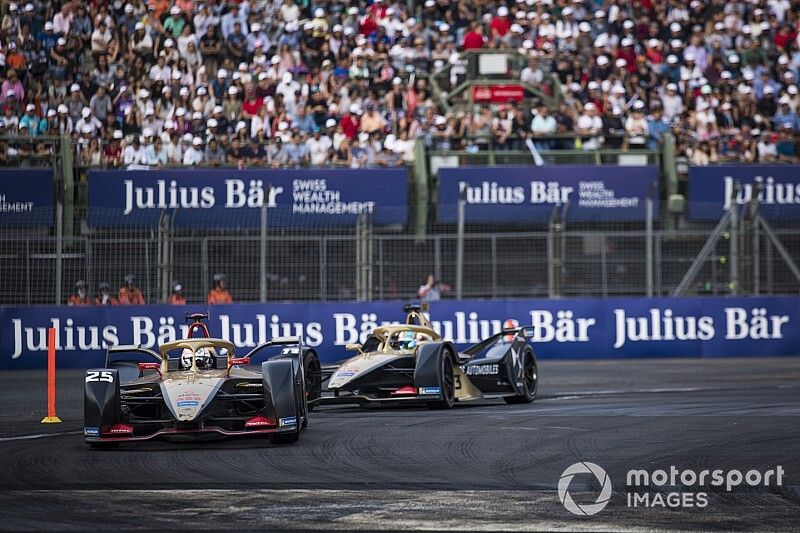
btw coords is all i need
(100, 375)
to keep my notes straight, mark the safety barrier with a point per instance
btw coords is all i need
(563, 328)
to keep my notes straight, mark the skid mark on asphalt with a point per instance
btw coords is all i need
(41, 435)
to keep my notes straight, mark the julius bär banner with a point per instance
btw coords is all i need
(712, 190)
(26, 197)
(233, 198)
(528, 194)
(570, 328)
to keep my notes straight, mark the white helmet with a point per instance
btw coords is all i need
(202, 358)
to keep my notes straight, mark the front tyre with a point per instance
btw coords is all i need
(530, 379)
(447, 382)
(312, 372)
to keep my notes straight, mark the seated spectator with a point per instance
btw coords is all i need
(129, 293)
(219, 294)
(105, 297)
(80, 296)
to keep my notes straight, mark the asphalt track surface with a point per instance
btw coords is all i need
(477, 467)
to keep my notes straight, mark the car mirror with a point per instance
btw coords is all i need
(353, 347)
(150, 366)
(527, 332)
(239, 361)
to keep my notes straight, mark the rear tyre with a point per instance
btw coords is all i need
(530, 380)
(447, 383)
(294, 436)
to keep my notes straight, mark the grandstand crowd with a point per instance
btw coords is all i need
(327, 82)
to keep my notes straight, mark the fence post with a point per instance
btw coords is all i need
(262, 285)
(462, 200)
(59, 250)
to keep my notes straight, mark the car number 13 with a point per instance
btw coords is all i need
(99, 375)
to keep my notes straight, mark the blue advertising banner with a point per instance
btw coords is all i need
(711, 190)
(233, 198)
(528, 194)
(563, 329)
(26, 197)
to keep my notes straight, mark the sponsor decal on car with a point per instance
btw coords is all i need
(346, 373)
(188, 403)
(288, 421)
(482, 370)
(91, 431)
(430, 390)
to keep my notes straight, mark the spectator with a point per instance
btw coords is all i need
(432, 290)
(194, 154)
(134, 153)
(105, 297)
(176, 298)
(80, 296)
(220, 294)
(129, 293)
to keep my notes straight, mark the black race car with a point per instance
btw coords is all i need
(411, 363)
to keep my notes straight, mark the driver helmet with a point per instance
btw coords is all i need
(202, 359)
(510, 324)
(407, 340)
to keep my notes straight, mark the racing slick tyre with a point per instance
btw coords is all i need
(291, 438)
(313, 377)
(530, 379)
(447, 382)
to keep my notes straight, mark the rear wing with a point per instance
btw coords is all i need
(525, 332)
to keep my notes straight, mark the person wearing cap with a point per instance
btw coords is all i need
(80, 296)
(501, 23)
(176, 298)
(320, 148)
(589, 124)
(194, 154)
(175, 22)
(129, 293)
(105, 297)
(219, 294)
(88, 120)
(32, 122)
(134, 153)
(112, 151)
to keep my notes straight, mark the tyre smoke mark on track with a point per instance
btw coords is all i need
(41, 436)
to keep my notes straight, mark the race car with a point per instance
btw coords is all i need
(411, 363)
(196, 388)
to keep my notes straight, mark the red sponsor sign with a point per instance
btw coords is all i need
(498, 94)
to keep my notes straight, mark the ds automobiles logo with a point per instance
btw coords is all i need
(586, 509)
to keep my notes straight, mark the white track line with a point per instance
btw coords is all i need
(40, 436)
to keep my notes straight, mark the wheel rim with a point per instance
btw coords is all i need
(448, 381)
